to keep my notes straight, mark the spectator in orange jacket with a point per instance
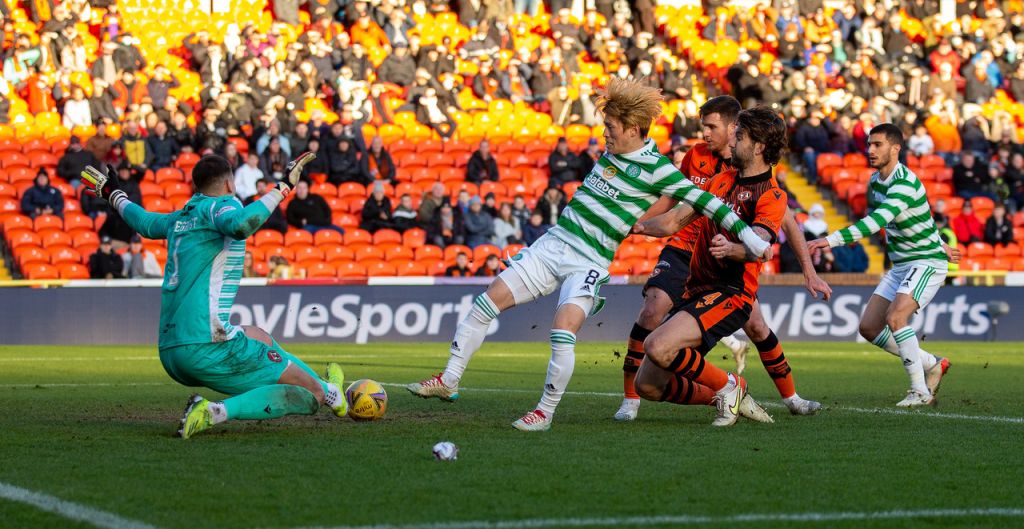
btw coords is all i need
(367, 33)
(129, 92)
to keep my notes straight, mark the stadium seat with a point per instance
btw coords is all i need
(31, 253)
(375, 267)
(263, 237)
(41, 271)
(321, 270)
(323, 237)
(22, 237)
(306, 252)
(345, 220)
(13, 158)
(619, 268)
(352, 204)
(44, 222)
(1011, 250)
(336, 252)
(169, 174)
(828, 159)
(932, 160)
(83, 239)
(157, 205)
(407, 267)
(511, 250)
(435, 267)
(324, 189)
(73, 271)
(186, 159)
(20, 173)
(979, 249)
(357, 236)
(296, 236)
(64, 254)
(176, 189)
(387, 236)
(429, 251)
(428, 147)
(350, 269)
(414, 237)
(270, 250)
(631, 251)
(855, 160)
(481, 252)
(983, 207)
(75, 221)
(365, 251)
(454, 249)
(394, 252)
(998, 264)
(641, 266)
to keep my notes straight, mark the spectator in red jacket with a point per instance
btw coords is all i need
(967, 226)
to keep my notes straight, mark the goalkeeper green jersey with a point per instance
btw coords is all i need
(205, 257)
(899, 204)
(619, 190)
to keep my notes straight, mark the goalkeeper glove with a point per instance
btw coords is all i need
(104, 184)
(294, 171)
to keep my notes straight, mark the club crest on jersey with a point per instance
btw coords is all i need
(743, 195)
(633, 170)
(609, 172)
(274, 356)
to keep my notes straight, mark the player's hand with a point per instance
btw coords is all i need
(102, 183)
(293, 171)
(720, 247)
(816, 284)
(639, 228)
(817, 245)
(952, 253)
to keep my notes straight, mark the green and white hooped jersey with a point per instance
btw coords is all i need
(898, 204)
(205, 258)
(619, 190)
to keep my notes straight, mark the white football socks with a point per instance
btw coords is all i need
(906, 339)
(469, 335)
(332, 395)
(886, 342)
(560, 367)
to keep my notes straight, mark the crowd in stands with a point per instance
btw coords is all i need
(367, 84)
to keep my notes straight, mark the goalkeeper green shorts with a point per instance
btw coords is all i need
(232, 367)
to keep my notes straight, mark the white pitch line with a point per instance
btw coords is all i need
(666, 520)
(69, 510)
(873, 411)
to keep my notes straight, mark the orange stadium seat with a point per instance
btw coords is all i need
(307, 252)
(73, 271)
(44, 222)
(327, 237)
(350, 269)
(264, 237)
(31, 253)
(387, 236)
(429, 251)
(357, 236)
(481, 252)
(376, 267)
(407, 267)
(321, 270)
(296, 236)
(64, 254)
(336, 252)
(364, 252)
(399, 252)
(39, 271)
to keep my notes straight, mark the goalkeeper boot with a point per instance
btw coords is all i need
(801, 406)
(728, 400)
(628, 410)
(197, 417)
(433, 387)
(933, 377)
(335, 375)
(535, 421)
(914, 399)
(750, 409)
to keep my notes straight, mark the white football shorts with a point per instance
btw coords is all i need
(538, 270)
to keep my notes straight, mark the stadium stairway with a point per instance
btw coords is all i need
(809, 194)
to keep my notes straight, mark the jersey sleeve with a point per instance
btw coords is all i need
(149, 225)
(771, 211)
(897, 199)
(683, 190)
(229, 217)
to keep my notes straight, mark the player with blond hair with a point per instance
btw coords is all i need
(576, 253)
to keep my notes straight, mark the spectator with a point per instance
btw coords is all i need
(344, 163)
(398, 67)
(432, 201)
(74, 161)
(447, 227)
(971, 178)
(101, 104)
(812, 139)
(429, 113)
(161, 148)
(999, 227)
(506, 227)
(105, 263)
(588, 159)
(482, 165)
(377, 210)
(248, 266)
(310, 211)
(160, 85)
(534, 228)
(491, 204)
(491, 267)
(921, 144)
(550, 205)
(850, 258)
(686, 122)
(77, 112)
(42, 198)
(135, 148)
(404, 215)
(460, 268)
(115, 227)
(140, 263)
(815, 226)
(319, 165)
(563, 165)
(100, 144)
(246, 177)
(279, 268)
(377, 162)
(967, 227)
(273, 160)
(478, 224)
(231, 154)
(274, 131)
(564, 110)
(520, 210)
(276, 220)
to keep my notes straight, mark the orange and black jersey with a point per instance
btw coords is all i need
(699, 165)
(757, 200)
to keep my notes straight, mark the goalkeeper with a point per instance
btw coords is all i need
(198, 345)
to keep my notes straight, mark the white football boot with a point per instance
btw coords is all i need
(534, 421)
(915, 399)
(628, 410)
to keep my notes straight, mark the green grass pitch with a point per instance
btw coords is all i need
(93, 425)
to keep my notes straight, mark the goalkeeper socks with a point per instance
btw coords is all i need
(634, 356)
(469, 335)
(906, 339)
(560, 367)
(887, 343)
(218, 412)
(271, 402)
(776, 365)
(680, 390)
(332, 394)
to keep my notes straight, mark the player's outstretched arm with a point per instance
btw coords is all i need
(711, 207)
(104, 185)
(795, 238)
(667, 223)
(723, 248)
(242, 222)
(898, 200)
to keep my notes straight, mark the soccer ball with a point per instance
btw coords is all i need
(367, 400)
